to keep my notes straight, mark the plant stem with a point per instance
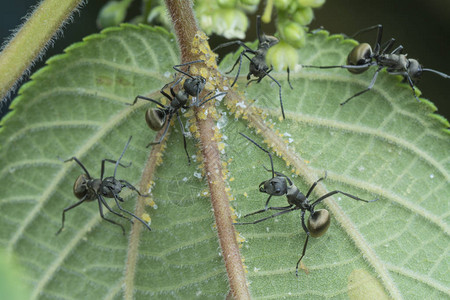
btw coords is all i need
(185, 27)
(31, 40)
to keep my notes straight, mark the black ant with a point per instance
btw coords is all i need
(318, 220)
(87, 188)
(156, 118)
(258, 66)
(362, 57)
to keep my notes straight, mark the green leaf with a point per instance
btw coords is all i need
(382, 144)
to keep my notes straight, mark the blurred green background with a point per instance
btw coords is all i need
(422, 27)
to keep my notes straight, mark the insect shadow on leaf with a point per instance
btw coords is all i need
(258, 66)
(362, 57)
(157, 118)
(279, 185)
(88, 189)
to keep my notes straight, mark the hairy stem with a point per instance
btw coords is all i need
(185, 26)
(31, 39)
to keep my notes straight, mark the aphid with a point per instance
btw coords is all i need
(279, 185)
(87, 188)
(156, 118)
(258, 66)
(362, 57)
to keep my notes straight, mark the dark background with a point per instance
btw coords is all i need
(422, 27)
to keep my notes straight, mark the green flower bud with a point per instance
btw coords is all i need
(230, 23)
(292, 33)
(281, 56)
(112, 13)
(311, 3)
(303, 16)
(250, 2)
(227, 3)
(281, 4)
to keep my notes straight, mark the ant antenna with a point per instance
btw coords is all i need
(121, 155)
(436, 72)
(176, 68)
(257, 145)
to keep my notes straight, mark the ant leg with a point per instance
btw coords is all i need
(338, 192)
(374, 78)
(120, 164)
(67, 209)
(240, 64)
(388, 45)
(213, 97)
(130, 213)
(184, 137)
(113, 162)
(305, 244)
(176, 67)
(80, 164)
(292, 208)
(173, 85)
(257, 145)
(281, 100)
(397, 50)
(111, 210)
(131, 187)
(314, 185)
(289, 81)
(411, 84)
(100, 208)
(164, 133)
(266, 209)
(239, 68)
(145, 98)
(379, 34)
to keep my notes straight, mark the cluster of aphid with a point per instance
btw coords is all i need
(360, 59)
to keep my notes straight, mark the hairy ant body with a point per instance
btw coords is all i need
(318, 220)
(156, 118)
(258, 66)
(88, 189)
(362, 57)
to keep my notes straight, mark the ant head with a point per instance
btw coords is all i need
(318, 222)
(193, 86)
(268, 41)
(155, 118)
(275, 186)
(360, 55)
(414, 69)
(80, 188)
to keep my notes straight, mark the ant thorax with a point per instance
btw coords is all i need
(180, 100)
(297, 198)
(394, 62)
(258, 66)
(111, 187)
